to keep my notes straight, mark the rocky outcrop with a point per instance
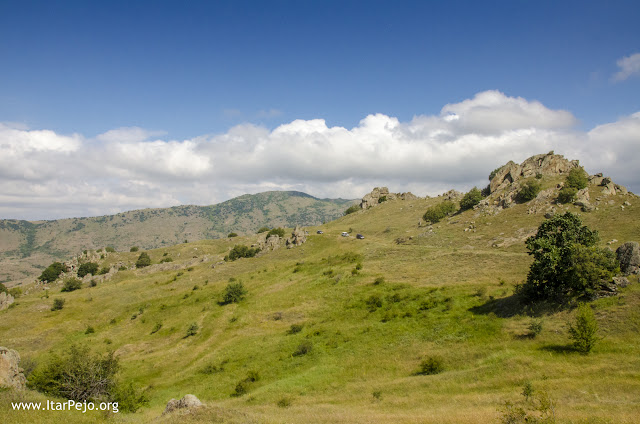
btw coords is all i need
(629, 257)
(11, 375)
(5, 300)
(188, 402)
(452, 195)
(546, 164)
(381, 194)
(298, 237)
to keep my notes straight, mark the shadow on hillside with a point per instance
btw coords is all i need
(506, 307)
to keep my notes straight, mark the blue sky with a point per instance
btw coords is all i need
(177, 72)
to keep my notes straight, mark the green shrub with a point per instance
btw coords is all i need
(241, 388)
(378, 281)
(230, 235)
(128, 398)
(373, 302)
(87, 268)
(529, 191)
(567, 195)
(241, 251)
(303, 348)
(284, 402)
(472, 198)
(52, 272)
(382, 199)
(295, 328)
(276, 232)
(233, 293)
(432, 365)
(584, 331)
(134, 249)
(89, 330)
(352, 209)
(167, 259)
(104, 270)
(143, 260)
(436, 213)
(577, 179)
(263, 230)
(494, 172)
(192, 330)
(566, 261)
(57, 304)
(3, 289)
(71, 284)
(109, 249)
(535, 328)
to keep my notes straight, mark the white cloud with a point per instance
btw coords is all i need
(629, 66)
(125, 168)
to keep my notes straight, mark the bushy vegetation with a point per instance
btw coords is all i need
(87, 268)
(110, 249)
(494, 172)
(352, 209)
(143, 260)
(436, 213)
(566, 261)
(263, 230)
(58, 304)
(276, 232)
(431, 365)
(241, 251)
(382, 199)
(81, 376)
(567, 195)
(529, 191)
(3, 289)
(134, 249)
(577, 178)
(52, 272)
(584, 331)
(472, 198)
(231, 235)
(71, 284)
(233, 293)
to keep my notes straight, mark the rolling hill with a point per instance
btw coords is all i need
(27, 247)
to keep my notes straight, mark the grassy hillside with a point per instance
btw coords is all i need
(27, 247)
(337, 328)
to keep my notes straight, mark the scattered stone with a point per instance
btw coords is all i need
(11, 375)
(610, 242)
(188, 402)
(626, 203)
(628, 255)
(5, 300)
(621, 281)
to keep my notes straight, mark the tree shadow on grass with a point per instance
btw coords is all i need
(557, 348)
(510, 306)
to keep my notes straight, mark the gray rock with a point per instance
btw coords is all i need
(11, 375)
(187, 402)
(5, 300)
(629, 257)
(621, 281)
(298, 237)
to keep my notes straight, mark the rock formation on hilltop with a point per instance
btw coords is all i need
(382, 194)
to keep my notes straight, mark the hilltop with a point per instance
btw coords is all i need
(27, 247)
(339, 330)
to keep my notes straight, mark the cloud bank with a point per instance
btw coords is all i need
(629, 66)
(44, 175)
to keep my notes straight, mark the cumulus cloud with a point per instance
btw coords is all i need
(47, 175)
(629, 66)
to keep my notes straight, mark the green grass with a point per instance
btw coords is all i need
(441, 297)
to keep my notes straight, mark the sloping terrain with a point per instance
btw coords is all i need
(336, 329)
(27, 247)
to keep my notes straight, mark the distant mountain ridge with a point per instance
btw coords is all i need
(28, 246)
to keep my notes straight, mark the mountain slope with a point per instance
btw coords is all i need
(337, 329)
(27, 247)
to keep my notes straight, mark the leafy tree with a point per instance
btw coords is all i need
(352, 209)
(577, 179)
(529, 191)
(566, 261)
(584, 331)
(87, 268)
(567, 195)
(472, 198)
(71, 284)
(52, 272)
(436, 213)
(233, 293)
(276, 232)
(143, 260)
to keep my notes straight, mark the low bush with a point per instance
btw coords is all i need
(577, 179)
(143, 260)
(352, 209)
(567, 195)
(3, 289)
(535, 328)
(276, 232)
(57, 304)
(472, 198)
(109, 249)
(435, 213)
(192, 330)
(432, 365)
(382, 199)
(230, 235)
(529, 191)
(71, 284)
(104, 270)
(303, 348)
(52, 272)
(87, 268)
(166, 259)
(295, 328)
(584, 331)
(241, 251)
(263, 230)
(134, 249)
(233, 293)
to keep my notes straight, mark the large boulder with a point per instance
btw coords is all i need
(629, 257)
(298, 236)
(372, 199)
(11, 375)
(5, 300)
(188, 402)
